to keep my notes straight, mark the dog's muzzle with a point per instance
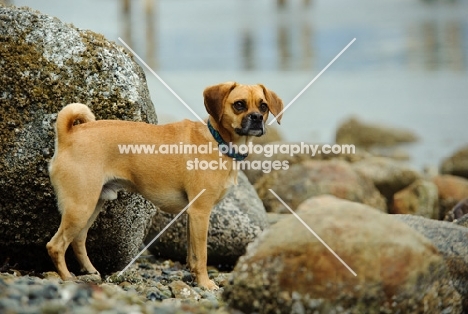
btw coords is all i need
(252, 125)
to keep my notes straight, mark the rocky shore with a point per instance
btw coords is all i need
(148, 286)
(401, 234)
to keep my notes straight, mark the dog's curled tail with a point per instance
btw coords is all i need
(68, 116)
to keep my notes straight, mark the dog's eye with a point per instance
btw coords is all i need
(239, 105)
(263, 107)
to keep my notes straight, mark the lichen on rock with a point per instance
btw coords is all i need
(44, 65)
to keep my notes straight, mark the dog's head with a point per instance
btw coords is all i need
(243, 109)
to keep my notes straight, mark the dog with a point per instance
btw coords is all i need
(87, 168)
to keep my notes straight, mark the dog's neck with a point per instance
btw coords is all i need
(217, 134)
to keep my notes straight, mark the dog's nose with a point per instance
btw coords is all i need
(255, 116)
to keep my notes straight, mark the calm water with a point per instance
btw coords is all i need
(407, 68)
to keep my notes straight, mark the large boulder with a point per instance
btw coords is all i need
(234, 222)
(313, 178)
(451, 240)
(457, 164)
(288, 270)
(44, 65)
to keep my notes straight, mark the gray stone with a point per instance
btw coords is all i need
(389, 176)
(44, 65)
(463, 221)
(451, 240)
(235, 222)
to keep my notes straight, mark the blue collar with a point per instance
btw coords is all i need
(230, 151)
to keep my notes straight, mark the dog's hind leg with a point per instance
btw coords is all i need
(75, 218)
(79, 243)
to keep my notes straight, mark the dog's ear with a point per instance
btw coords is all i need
(214, 97)
(275, 104)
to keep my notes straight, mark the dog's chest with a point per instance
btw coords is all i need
(231, 180)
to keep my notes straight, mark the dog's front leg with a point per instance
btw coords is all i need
(197, 234)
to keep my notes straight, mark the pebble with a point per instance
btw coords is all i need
(146, 287)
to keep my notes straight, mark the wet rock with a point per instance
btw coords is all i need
(354, 131)
(450, 240)
(45, 65)
(452, 189)
(457, 164)
(317, 177)
(420, 198)
(388, 176)
(235, 222)
(287, 268)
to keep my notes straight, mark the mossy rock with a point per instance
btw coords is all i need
(46, 64)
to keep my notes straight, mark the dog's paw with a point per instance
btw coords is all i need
(71, 277)
(209, 285)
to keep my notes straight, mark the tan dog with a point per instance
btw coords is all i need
(88, 168)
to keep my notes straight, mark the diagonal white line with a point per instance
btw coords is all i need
(311, 82)
(160, 233)
(161, 80)
(313, 232)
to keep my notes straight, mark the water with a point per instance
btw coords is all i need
(407, 68)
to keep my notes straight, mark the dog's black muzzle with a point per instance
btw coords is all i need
(252, 125)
